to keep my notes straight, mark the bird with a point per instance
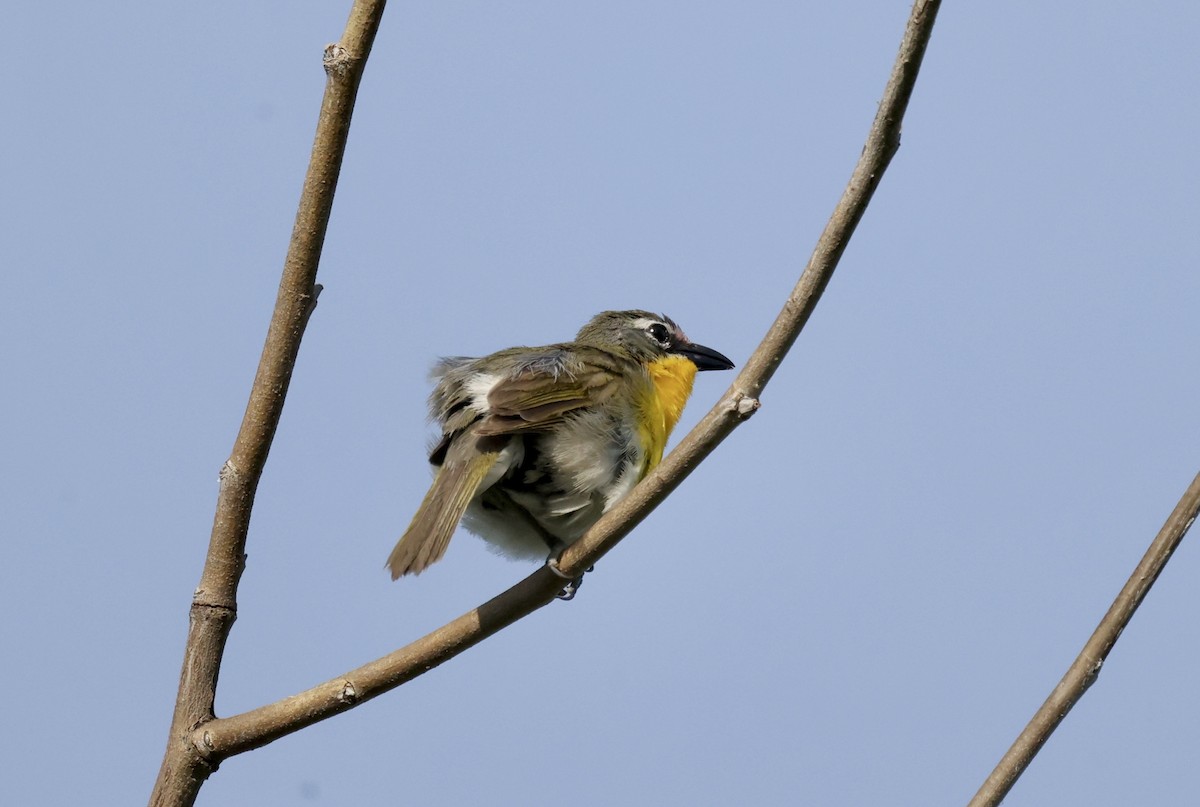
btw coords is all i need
(538, 442)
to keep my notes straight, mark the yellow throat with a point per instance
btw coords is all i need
(671, 380)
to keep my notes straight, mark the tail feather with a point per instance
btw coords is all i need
(426, 539)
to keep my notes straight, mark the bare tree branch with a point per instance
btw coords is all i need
(214, 605)
(224, 737)
(1084, 671)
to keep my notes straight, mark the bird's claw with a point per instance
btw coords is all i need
(571, 588)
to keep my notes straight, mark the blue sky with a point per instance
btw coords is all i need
(860, 598)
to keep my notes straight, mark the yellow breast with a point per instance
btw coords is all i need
(670, 385)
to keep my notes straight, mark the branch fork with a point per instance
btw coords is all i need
(198, 742)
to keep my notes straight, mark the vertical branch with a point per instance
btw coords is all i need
(214, 605)
(1086, 667)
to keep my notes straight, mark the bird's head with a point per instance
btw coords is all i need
(647, 337)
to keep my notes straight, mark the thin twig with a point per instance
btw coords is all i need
(214, 605)
(224, 737)
(1086, 667)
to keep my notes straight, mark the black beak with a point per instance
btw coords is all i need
(705, 358)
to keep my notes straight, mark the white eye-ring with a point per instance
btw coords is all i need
(659, 333)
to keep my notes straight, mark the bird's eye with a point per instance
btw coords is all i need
(659, 333)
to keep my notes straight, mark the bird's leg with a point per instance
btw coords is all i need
(553, 543)
(556, 546)
(571, 588)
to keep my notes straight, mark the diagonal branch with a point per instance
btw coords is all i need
(220, 738)
(1084, 671)
(214, 605)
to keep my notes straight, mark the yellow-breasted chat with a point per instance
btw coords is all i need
(538, 442)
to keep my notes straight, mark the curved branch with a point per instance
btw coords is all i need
(1084, 671)
(214, 605)
(224, 737)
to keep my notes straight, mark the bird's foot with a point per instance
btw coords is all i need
(571, 588)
